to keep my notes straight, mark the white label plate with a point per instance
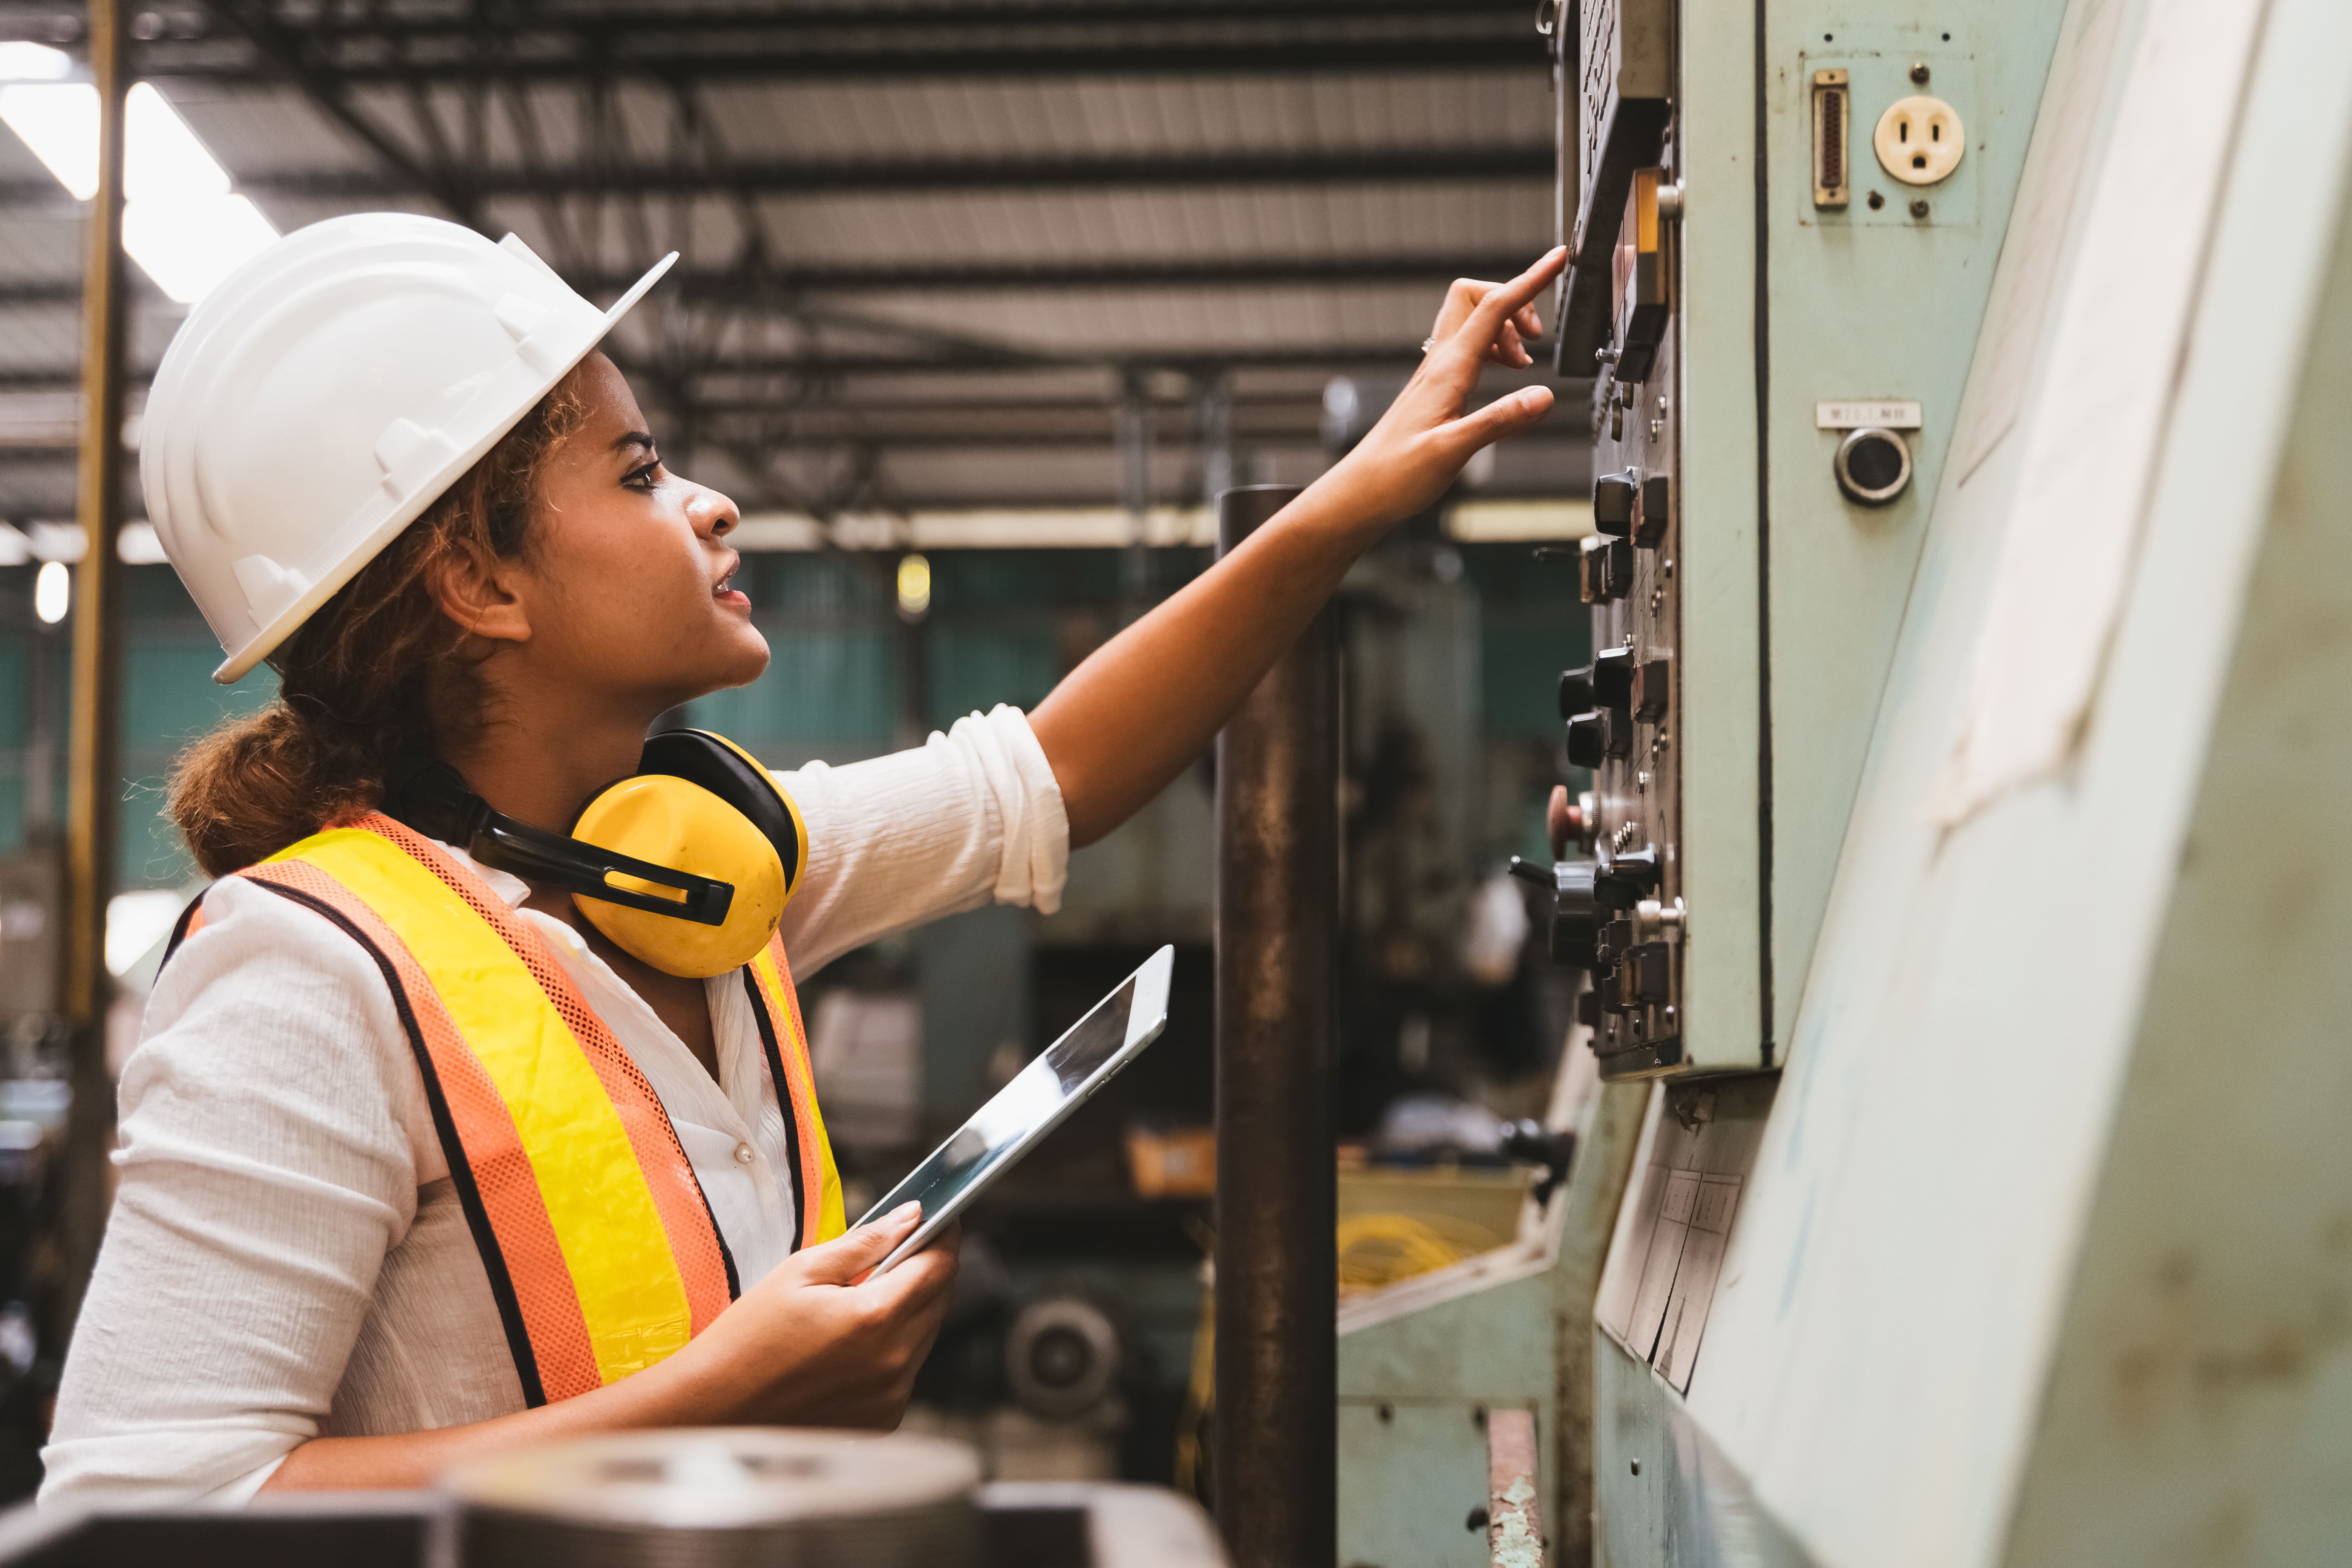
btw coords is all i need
(1855, 416)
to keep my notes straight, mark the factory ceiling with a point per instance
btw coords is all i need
(933, 254)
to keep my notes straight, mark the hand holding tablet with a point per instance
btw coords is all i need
(1038, 1099)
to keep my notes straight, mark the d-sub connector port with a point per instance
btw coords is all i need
(1830, 117)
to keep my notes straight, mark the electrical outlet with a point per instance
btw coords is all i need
(1920, 140)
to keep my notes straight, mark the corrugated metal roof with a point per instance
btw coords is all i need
(805, 262)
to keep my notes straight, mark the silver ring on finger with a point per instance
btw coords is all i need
(1429, 343)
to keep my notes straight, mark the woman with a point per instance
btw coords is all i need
(291, 1292)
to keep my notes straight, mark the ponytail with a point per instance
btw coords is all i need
(376, 672)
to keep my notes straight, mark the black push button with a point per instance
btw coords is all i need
(1655, 512)
(1614, 939)
(1614, 499)
(1650, 683)
(1645, 977)
(1601, 733)
(1872, 466)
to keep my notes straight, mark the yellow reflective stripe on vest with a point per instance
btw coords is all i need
(604, 1218)
(821, 1217)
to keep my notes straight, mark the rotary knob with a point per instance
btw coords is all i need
(1576, 691)
(1575, 912)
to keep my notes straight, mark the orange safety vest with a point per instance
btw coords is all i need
(600, 1249)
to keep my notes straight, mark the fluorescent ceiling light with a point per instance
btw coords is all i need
(1034, 528)
(162, 160)
(59, 122)
(188, 246)
(33, 62)
(181, 223)
(138, 546)
(1518, 521)
(52, 592)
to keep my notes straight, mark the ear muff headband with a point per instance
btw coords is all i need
(431, 797)
(690, 876)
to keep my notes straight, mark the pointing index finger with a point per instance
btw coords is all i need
(1485, 320)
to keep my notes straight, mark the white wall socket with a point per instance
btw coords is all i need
(1920, 140)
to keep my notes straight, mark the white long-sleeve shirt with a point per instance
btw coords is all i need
(287, 1258)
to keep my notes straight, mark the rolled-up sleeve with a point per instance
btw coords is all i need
(970, 816)
(268, 1163)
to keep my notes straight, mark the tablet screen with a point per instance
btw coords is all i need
(1031, 1100)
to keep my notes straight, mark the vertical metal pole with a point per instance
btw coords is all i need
(1135, 488)
(1277, 1261)
(1216, 407)
(93, 767)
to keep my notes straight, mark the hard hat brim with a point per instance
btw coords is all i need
(284, 623)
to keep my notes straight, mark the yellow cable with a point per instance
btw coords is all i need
(1379, 1249)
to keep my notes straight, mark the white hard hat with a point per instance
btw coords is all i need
(329, 391)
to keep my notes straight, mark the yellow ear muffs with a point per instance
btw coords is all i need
(700, 804)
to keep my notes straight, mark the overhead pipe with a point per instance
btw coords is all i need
(1274, 1468)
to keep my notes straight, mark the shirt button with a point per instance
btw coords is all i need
(745, 1153)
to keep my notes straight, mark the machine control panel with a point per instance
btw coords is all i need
(1775, 364)
(1620, 709)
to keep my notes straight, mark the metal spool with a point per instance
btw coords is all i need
(722, 1497)
(1062, 1357)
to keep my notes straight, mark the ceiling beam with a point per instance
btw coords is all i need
(810, 176)
(989, 438)
(1197, 359)
(757, 60)
(232, 40)
(778, 284)
(779, 281)
(959, 19)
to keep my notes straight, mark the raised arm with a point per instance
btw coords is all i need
(1126, 721)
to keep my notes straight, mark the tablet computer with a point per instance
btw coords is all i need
(1038, 1099)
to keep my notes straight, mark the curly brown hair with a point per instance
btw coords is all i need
(377, 672)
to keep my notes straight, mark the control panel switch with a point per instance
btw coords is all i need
(1644, 978)
(1601, 733)
(1605, 570)
(1624, 878)
(1649, 693)
(1655, 511)
(1615, 499)
(1576, 694)
(1612, 677)
(1604, 986)
(1575, 917)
